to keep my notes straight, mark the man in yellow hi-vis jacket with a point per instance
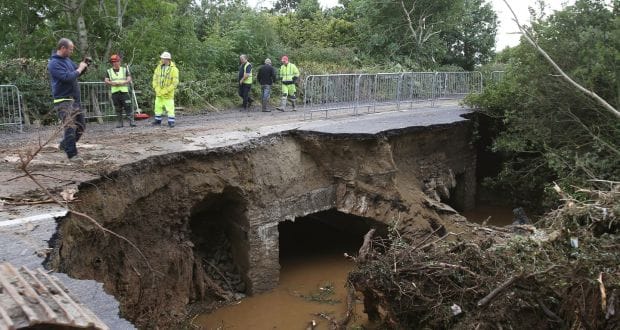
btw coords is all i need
(119, 78)
(289, 75)
(165, 81)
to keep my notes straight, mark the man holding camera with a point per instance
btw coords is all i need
(118, 78)
(64, 75)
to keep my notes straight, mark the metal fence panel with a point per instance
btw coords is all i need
(330, 92)
(366, 91)
(96, 100)
(451, 85)
(356, 91)
(418, 87)
(11, 114)
(387, 89)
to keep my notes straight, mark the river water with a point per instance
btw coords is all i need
(285, 307)
(313, 276)
(497, 215)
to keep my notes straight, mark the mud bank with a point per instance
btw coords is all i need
(195, 211)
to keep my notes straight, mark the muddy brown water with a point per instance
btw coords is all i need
(312, 278)
(309, 270)
(285, 307)
(497, 215)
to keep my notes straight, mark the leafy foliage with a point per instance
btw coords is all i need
(206, 37)
(546, 129)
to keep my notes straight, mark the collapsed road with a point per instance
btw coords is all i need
(226, 180)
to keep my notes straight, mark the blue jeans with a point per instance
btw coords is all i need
(266, 90)
(73, 122)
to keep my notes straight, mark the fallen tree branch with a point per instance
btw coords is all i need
(46, 201)
(217, 270)
(440, 239)
(25, 160)
(428, 237)
(548, 312)
(567, 78)
(365, 249)
(342, 324)
(482, 302)
(459, 267)
(603, 292)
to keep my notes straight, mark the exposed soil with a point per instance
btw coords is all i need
(202, 211)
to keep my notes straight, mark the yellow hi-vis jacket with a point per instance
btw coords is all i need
(118, 76)
(165, 80)
(287, 72)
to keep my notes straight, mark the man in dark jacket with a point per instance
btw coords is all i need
(266, 77)
(66, 93)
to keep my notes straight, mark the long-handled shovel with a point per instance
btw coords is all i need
(138, 113)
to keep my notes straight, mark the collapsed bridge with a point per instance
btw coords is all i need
(182, 209)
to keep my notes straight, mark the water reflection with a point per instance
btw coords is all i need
(285, 307)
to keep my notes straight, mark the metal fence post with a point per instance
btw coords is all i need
(357, 94)
(11, 107)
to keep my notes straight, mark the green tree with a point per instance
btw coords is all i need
(422, 33)
(285, 6)
(470, 40)
(548, 131)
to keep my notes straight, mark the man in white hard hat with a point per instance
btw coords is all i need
(165, 81)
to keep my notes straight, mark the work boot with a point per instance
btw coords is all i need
(119, 122)
(132, 122)
(282, 106)
(293, 103)
(156, 122)
(76, 160)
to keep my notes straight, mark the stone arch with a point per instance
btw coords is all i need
(218, 229)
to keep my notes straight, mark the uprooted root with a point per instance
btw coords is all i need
(563, 275)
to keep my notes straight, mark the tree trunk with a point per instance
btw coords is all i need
(82, 35)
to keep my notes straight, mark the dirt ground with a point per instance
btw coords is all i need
(104, 147)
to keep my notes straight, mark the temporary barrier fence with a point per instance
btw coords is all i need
(11, 115)
(96, 100)
(456, 85)
(356, 91)
(418, 87)
(331, 92)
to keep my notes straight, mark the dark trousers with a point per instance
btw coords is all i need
(122, 103)
(73, 122)
(244, 92)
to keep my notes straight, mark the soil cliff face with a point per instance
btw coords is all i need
(192, 212)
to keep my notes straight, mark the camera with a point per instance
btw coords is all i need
(88, 60)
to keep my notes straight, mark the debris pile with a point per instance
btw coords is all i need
(562, 273)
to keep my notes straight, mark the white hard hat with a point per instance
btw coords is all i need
(166, 56)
